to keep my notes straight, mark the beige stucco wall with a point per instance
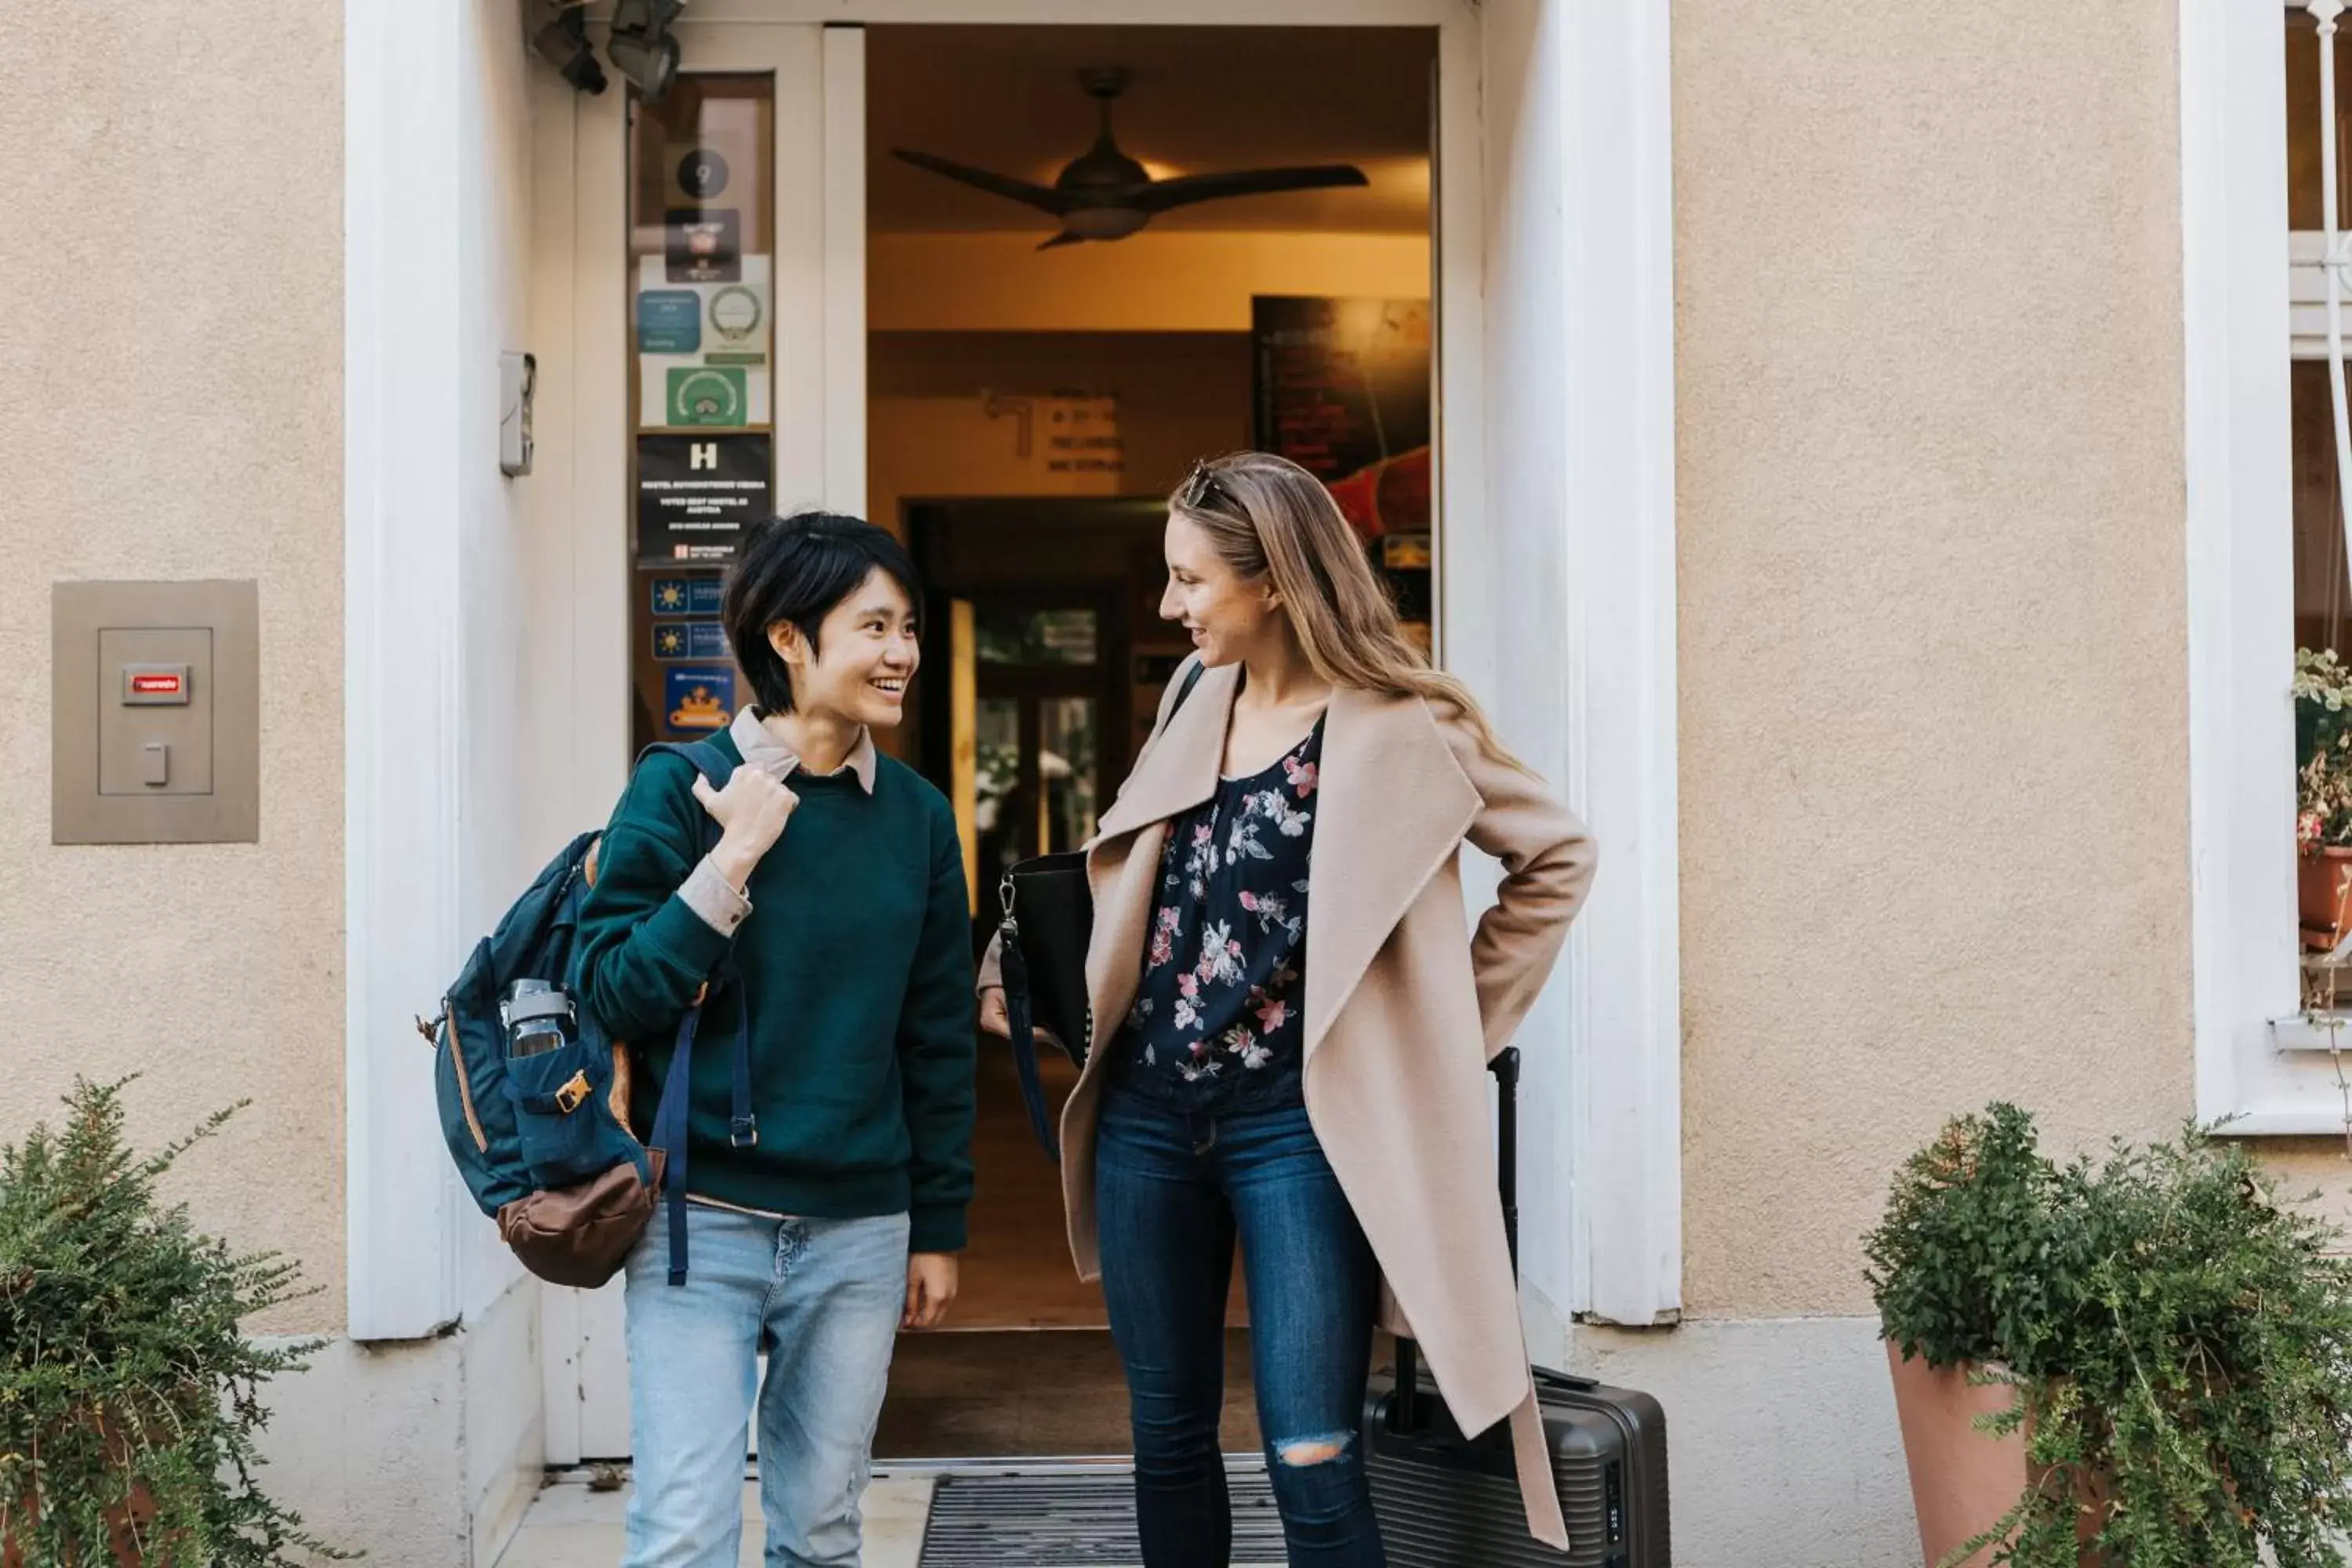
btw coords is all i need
(170, 396)
(1933, 717)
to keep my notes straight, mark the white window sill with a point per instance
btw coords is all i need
(2286, 1121)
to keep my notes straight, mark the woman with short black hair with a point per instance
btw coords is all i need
(838, 1221)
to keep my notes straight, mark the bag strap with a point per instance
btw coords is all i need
(707, 759)
(1019, 1023)
(743, 1127)
(1014, 970)
(1192, 680)
(671, 1130)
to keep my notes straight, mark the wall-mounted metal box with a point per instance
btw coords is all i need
(156, 713)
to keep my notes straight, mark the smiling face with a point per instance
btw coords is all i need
(865, 656)
(1229, 615)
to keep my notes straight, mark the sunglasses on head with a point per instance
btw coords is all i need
(1201, 489)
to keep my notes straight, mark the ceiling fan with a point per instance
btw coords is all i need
(1105, 194)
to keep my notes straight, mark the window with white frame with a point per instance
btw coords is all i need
(2265, 156)
(2317, 81)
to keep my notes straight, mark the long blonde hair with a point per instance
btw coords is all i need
(1267, 517)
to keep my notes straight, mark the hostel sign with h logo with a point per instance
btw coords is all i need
(696, 494)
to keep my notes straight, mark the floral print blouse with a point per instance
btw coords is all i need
(1215, 1024)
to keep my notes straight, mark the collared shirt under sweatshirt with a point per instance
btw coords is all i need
(851, 959)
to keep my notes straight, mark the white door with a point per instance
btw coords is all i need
(1554, 225)
(778, 227)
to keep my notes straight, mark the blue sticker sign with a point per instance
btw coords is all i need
(688, 596)
(700, 699)
(699, 640)
(670, 321)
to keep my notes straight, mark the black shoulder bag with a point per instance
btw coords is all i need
(1049, 918)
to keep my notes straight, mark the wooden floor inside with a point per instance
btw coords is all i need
(1026, 1367)
(1054, 1392)
(1016, 1272)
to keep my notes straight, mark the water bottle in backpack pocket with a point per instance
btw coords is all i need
(561, 1136)
(534, 1107)
(535, 1101)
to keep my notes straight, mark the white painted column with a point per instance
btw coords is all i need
(1619, 427)
(1576, 574)
(403, 161)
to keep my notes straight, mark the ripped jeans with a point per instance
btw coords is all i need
(1171, 1192)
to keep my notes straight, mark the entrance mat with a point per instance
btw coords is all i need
(1083, 1520)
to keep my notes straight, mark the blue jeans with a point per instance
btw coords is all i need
(822, 1297)
(1172, 1191)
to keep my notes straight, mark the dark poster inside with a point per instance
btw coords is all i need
(1342, 389)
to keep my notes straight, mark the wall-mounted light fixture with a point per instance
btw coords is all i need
(642, 46)
(560, 32)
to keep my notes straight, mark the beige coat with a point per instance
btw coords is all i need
(1403, 1008)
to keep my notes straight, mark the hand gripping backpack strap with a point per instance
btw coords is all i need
(743, 1126)
(672, 1126)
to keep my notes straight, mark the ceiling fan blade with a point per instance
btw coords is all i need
(1185, 190)
(1062, 238)
(1042, 198)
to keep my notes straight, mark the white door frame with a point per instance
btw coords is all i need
(818, 310)
(1581, 258)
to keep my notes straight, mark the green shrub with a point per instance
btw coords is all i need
(130, 1398)
(2179, 1340)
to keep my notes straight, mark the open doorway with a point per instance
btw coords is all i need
(1030, 406)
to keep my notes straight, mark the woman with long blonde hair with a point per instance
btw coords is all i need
(1292, 1023)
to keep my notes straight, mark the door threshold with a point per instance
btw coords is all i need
(611, 1473)
(1040, 1465)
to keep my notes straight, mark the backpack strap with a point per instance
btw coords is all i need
(707, 759)
(743, 1128)
(672, 1127)
(670, 1134)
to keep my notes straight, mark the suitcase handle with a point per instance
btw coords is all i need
(1566, 1381)
(1404, 1414)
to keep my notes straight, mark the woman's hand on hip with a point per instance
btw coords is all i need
(931, 1286)
(992, 1017)
(751, 812)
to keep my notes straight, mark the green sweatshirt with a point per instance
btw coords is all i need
(853, 980)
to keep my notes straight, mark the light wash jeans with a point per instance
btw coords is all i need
(822, 1297)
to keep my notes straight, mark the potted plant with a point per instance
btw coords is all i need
(2323, 818)
(130, 1398)
(2174, 1341)
(1954, 1265)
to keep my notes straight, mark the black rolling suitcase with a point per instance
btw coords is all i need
(1447, 1501)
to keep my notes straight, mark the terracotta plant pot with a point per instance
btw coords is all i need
(2094, 1501)
(126, 1521)
(2324, 879)
(1962, 1481)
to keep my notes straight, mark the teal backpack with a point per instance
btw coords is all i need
(547, 1142)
